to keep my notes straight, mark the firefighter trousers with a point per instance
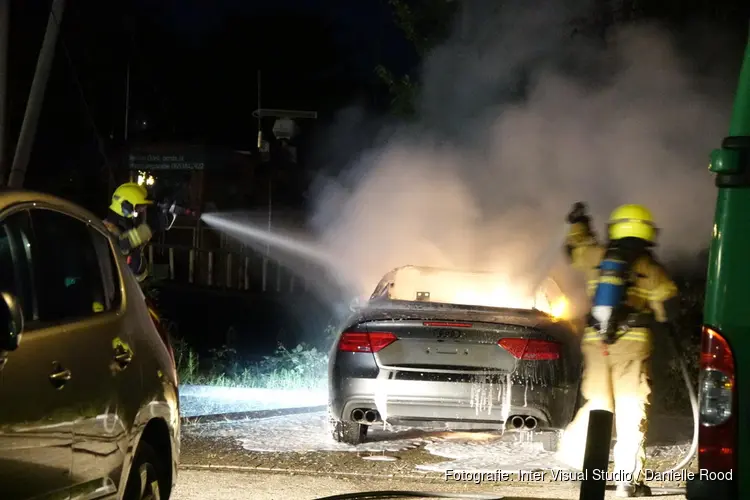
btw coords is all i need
(616, 378)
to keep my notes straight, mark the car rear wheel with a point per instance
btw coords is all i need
(347, 432)
(147, 479)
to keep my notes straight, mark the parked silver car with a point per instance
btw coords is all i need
(428, 361)
(88, 387)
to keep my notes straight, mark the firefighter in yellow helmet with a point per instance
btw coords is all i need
(631, 297)
(133, 219)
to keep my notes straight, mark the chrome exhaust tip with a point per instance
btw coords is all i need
(371, 416)
(358, 415)
(530, 423)
(517, 422)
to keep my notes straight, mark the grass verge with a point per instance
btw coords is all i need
(301, 368)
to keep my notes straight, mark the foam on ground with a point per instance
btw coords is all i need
(304, 433)
(483, 452)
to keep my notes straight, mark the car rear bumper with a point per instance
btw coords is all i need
(486, 404)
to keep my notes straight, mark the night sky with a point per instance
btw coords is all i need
(193, 67)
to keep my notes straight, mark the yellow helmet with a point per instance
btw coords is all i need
(127, 197)
(632, 221)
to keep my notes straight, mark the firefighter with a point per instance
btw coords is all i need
(133, 219)
(632, 297)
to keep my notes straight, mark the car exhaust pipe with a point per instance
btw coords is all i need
(530, 423)
(371, 416)
(358, 415)
(517, 422)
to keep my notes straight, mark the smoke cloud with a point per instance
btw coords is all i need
(517, 121)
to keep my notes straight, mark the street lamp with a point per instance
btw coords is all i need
(284, 129)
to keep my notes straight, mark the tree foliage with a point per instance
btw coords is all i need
(425, 23)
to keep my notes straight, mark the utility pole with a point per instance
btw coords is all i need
(126, 125)
(130, 28)
(127, 103)
(36, 96)
(284, 129)
(270, 187)
(4, 27)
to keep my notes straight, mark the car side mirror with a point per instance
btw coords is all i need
(11, 322)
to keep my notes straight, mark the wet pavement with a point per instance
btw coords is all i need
(239, 485)
(410, 460)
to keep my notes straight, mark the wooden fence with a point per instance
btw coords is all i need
(199, 256)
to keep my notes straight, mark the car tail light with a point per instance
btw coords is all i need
(444, 323)
(718, 430)
(531, 349)
(365, 342)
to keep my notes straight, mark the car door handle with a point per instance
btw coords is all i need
(123, 357)
(60, 376)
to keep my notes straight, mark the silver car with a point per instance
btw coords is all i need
(428, 361)
(88, 388)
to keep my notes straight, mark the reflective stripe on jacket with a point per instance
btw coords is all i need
(634, 334)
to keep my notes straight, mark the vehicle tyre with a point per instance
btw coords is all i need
(148, 478)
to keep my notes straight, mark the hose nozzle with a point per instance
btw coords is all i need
(175, 209)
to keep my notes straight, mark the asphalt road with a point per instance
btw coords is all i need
(243, 485)
(216, 466)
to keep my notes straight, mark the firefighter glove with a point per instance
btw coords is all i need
(158, 220)
(577, 213)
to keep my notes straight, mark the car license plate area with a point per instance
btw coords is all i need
(404, 353)
(448, 350)
(459, 378)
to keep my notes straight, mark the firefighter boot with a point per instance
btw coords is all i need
(630, 490)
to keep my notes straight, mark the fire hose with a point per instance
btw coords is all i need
(696, 422)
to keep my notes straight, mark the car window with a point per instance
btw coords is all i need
(15, 261)
(108, 267)
(68, 277)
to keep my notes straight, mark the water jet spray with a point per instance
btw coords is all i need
(246, 231)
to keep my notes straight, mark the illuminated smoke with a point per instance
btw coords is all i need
(517, 121)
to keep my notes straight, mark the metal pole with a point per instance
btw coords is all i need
(260, 121)
(245, 273)
(260, 145)
(210, 277)
(596, 456)
(4, 27)
(127, 103)
(270, 177)
(171, 263)
(270, 208)
(36, 96)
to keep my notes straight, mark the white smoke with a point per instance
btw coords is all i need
(517, 121)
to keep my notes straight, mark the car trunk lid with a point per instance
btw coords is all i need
(460, 346)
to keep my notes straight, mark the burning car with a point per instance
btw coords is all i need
(458, 349)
